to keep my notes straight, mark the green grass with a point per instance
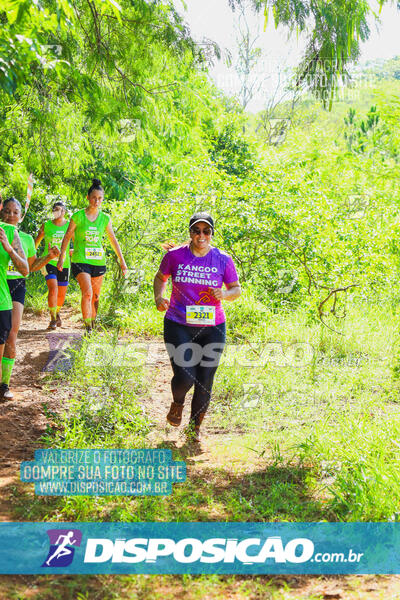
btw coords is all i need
(148, 587)
(103, 403)
(319, 443)
(291, 439)
(339, 415)
(193, 587)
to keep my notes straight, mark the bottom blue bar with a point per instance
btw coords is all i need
(200, 548)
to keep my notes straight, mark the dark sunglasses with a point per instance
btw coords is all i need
(197, 231)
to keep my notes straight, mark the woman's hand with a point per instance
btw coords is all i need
(168, 245)
(232, 292)
(53, 252)
(60, 263)
(217, 293)
(124, 268)
(4, 241)
(162, 304)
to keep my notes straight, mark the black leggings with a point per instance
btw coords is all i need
(194, 353)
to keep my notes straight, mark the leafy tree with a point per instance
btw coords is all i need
(249, 55)
(369, 135)
(230, 152)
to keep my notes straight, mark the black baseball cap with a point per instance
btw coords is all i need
(201, 216)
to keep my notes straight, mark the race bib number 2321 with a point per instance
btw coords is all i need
(200, 315)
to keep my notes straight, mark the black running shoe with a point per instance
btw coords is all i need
(5, 392)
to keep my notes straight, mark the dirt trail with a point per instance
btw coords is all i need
(23, 420)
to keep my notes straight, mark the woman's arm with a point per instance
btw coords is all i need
(160, 283)
(116, 248)
(31, 260)
(39, 236)
(68, 235)
(232, 292)
(15, 251)
(35, 263)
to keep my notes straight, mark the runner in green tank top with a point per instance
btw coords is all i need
(10, 248)
(88, 258)
(11, 214)
(53, 232)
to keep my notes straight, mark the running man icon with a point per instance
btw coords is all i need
(62, 549)
(61, 553)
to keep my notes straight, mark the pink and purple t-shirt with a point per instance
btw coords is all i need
(192, 276)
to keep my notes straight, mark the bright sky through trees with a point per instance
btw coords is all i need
(213, 19)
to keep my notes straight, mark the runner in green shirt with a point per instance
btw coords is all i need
(88, 258)
(11, 214)
(10, 248)
(53, 232)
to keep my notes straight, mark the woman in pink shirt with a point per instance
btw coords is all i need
(194, 324)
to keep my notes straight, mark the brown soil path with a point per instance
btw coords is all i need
(23, 419)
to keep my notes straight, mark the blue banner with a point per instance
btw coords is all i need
(200, 548)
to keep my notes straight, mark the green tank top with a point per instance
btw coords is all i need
(54, 234)
(28, 246)
(88, 247)
(5, 296)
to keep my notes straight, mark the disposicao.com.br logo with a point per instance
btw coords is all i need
(165, 552)
(212, 550)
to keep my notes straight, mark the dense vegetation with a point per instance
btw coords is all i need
(312, 223)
